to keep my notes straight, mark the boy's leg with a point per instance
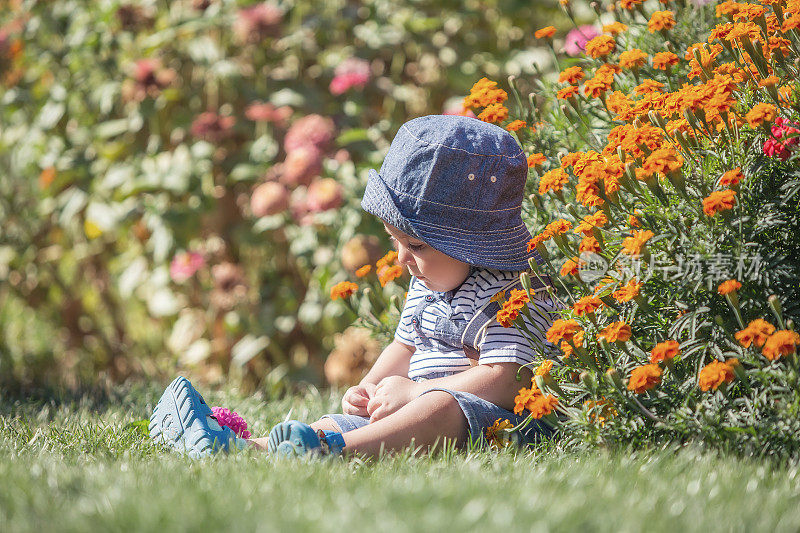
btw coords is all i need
(427, 419)
(325, 424)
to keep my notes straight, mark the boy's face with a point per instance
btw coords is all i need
(438, 271)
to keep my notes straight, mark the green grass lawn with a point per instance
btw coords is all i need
(80, 466)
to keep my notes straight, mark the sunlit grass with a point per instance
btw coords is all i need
(85, 465)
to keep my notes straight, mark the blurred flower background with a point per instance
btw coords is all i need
(180, 181)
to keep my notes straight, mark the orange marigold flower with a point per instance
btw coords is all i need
(562, 329)
(644, 378)
(627, 292)
(485, 93)
(571, 75)
(597, 219)
(570, 159)
(536, 160)
(363, 271)
(664, 161)
(559, 226)
(386, 260)
(719, 201)
(633, 221)
(589, 244)
(632, 59)
(731, 177)
(715, 374)
(494, 113)
(727, 287)
(518, 298)
(587, 305)
(516, 125)
(553, 180)
(615, 28)
(761, 112)
(661, 20)
(389, 273)
(780, 343)
(577, 340)
(615, 332)
(600, 46)
(629, 4)
(757, 331)
(769, 81)
(597, 86)
(343, 289)
(664, 60)
(570, 266)
(664, 350)
(497, 435)
(648, 87)
(538, 239)
(633, 245)
(567, 92)
(535, 402)
(546, 32)
(544, 368)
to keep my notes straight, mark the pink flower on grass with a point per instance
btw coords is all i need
(184, 265)
(576, 39)
(784, 136)
(352, 72)
(231, 419)
(324, 194)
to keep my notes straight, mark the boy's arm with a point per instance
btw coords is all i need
(394, 360)
(496, 383)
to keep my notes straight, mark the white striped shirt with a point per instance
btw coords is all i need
(436, 352)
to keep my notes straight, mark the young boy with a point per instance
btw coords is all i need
(449, 193)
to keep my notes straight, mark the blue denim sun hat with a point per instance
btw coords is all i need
(457, 184)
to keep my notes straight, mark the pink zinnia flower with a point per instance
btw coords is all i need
(313, 130)
(184, 265)
(255, 23)
(779, 145)
(231, 419)
(266, 112)
(212, 127)
(352, 72)
(576, 39)
(324, 194)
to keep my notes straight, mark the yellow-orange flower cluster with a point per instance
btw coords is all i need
(727, 287)
(664, 350)
(627, 292)
(761, 113)
(389, 273)
(510, 310)
(562, 329)
(719, 201)
(661, 20)
(615, 332)
(587, 305)
(494, 113)
(343, 289)
(757, 332)
(516, 125)
(546, 32)
(644, 378)
(497, 435)
(535, 402)
(715, 374)
(485, 93)
(553, 180)
(632, 59)
(600, 46)
(780, 343)
(633, 245)
(363, 271)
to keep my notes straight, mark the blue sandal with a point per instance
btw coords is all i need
(295, 439)
(183, 421)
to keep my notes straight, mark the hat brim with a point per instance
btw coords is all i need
(503, 249)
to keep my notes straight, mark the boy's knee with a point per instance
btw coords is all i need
(441, 403)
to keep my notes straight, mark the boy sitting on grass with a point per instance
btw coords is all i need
(449, 193)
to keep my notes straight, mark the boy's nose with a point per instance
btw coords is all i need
(404, 256)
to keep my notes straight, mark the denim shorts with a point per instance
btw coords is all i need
(479, 413)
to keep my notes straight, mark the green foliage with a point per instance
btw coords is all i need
(133, 134)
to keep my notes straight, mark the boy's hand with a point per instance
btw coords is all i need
(356, 398)
(391, 394)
